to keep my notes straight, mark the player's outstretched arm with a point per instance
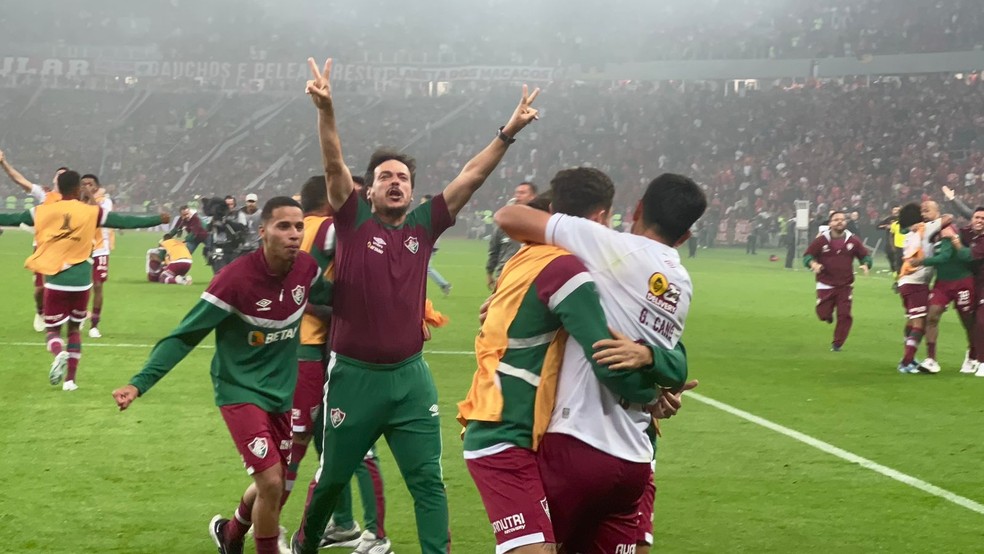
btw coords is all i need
(337, 175)
(15, 175)
(115, 220)
(12, 220)
(461, 189)
(523, 223)
(173, 348)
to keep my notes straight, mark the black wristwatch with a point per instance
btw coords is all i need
(504, 137)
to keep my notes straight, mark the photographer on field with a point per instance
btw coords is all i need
(227, 232)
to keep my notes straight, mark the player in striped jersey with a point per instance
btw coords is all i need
(255, 309)
(543, 295)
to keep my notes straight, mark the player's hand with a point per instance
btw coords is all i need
(948, 232)
(524, 113)
(319, 87)
(915, 262)
(165, 218)
(490, 281)
(949, 193)
(427, 332)
(483, 311)
(817, 268)
(865, 269)
(124, 396)
(2, 157)
(622, 352)
(670, 401)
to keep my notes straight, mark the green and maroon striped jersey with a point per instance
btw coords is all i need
(561, 295)
(256, 316)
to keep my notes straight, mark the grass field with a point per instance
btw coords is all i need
(79, 476)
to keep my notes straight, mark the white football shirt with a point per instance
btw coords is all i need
(107, 206)
(645, 293)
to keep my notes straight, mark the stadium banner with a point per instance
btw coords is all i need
(240, 73)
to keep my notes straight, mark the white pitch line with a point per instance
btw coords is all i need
(843, 454)
(782, 430)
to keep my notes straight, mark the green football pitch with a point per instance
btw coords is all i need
(787, 447)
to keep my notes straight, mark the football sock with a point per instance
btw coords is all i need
(911, 344)
(96, 314)
(236, 529)
(297, 452)
(55, 342)
(931, 349)
(74, 354)
(267, 545)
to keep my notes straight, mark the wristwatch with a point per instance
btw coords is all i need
(504, 137)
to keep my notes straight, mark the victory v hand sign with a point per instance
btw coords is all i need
(319, 87)
(525, 113)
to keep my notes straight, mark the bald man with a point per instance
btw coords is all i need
(954, 280)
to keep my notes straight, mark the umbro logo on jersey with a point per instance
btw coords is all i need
(434, 410)
(263, 305)
(298, 294)
(376, 245)
(412, 244)
(337, 417)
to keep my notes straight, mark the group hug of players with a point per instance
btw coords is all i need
(938, 265)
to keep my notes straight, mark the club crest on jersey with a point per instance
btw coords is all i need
(850, 246)
(337, 417)
(298, 294)
(412, 245)
(259, 447)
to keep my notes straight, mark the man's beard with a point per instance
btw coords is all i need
(392, 212)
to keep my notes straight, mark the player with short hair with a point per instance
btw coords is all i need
(501, 247)
(830, 256)
(97, 196)
(41, 195)
(595, 458)
(64, 230)
(255, 309)
(544, 294)
(973, 237)
(954, 283)
(191, 224)
(378, 382)
(306, 414)
(913, 282)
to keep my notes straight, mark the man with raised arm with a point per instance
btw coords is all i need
(64, 231)
(378, 383)
(41, 195)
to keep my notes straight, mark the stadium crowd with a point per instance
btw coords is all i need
(470, 33)
(753, 153)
